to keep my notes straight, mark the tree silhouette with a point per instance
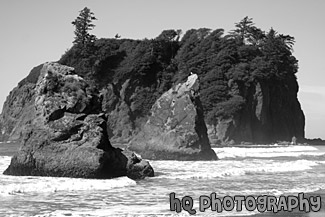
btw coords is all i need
(247, 32)
(83, 24)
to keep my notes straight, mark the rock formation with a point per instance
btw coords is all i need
(248, 90)
(175, 129)
(271, 113)
(67, 134)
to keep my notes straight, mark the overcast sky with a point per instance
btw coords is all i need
(36, 31)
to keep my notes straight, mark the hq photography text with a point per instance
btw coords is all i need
(238, 203)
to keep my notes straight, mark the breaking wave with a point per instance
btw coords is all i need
(224, 169)
(266, 152)
(29, 184)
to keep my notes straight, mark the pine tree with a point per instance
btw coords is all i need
(83, 24)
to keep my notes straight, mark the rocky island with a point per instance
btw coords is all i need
(139, 93)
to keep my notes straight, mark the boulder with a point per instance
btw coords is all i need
(68, 136)
(175, 129)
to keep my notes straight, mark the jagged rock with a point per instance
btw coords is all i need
(175, 130)
(68, 136)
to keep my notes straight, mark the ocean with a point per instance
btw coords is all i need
(251, 170)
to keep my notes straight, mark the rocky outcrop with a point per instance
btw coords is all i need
(175, 130)
(271, 113)
(67, 135)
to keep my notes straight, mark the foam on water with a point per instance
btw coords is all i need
(104, 213)
(144, 211)
(288, 190)
(266, 152)
(224, 169)
(26, 184)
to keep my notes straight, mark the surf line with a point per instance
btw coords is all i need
(262, 203)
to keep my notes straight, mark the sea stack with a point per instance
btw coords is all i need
(67, 136)
(175, 129)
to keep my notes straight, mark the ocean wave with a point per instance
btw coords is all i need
(266, 152)
(11, 185)
(224, 169)
(301, 188)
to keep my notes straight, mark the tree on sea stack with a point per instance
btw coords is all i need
(83, 24)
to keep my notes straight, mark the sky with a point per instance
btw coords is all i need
(37, 31)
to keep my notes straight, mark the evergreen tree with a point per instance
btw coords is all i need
(246, 32)
(83, 24)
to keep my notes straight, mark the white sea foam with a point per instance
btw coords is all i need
(51, 184)
(266, 152)
(144, 211)
(27, 184)
(287, 190)
(223, 169)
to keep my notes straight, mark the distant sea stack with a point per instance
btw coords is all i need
(66, 133)
(175, 130)
(248, 84)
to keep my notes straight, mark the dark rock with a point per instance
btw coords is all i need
(176, 129)
(116, 104)
(271, 113)
(68, 136)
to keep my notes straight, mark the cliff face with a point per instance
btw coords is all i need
(271, 113)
